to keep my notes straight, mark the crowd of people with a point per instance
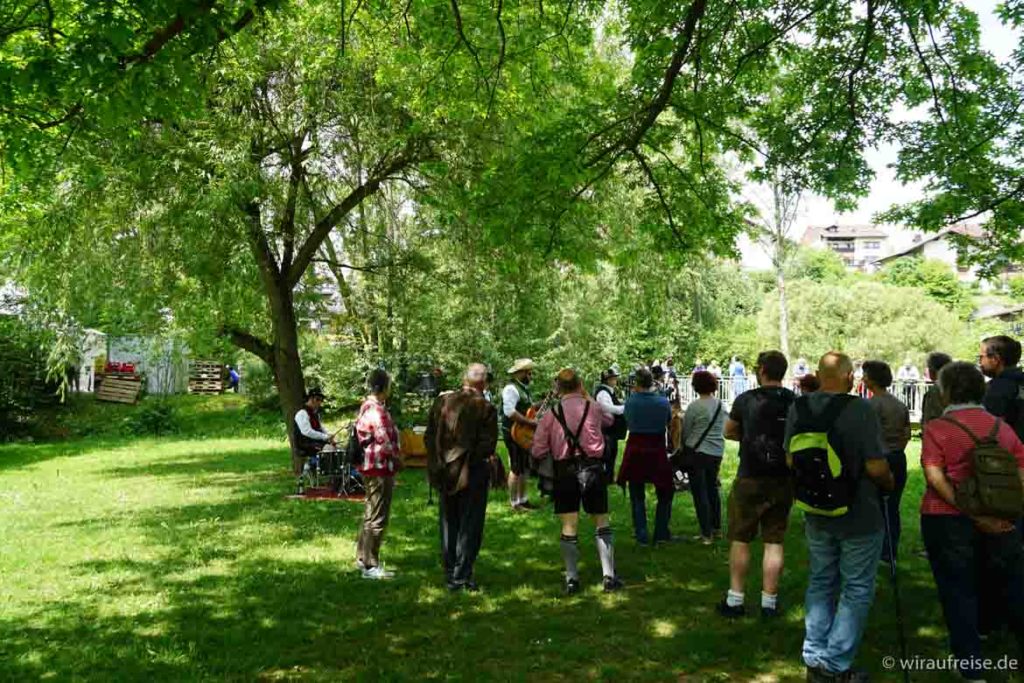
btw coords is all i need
(837, 456)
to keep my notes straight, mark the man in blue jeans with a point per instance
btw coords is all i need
(843, 551)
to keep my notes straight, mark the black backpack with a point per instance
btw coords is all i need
(764, 437)
(826, 480)
(355, 450)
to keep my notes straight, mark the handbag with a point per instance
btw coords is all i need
(588, 474)
(684, 457)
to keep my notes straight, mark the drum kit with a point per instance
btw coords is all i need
(330, 469)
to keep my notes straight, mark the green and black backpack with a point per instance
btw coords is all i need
(994, 487)
(826, 482)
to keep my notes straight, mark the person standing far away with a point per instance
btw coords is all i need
(645, 460)
(608, 399)
(571, 432)
(738, 373)
(376, 429)
(461, 436)
(894, 418)
(702, 431)
(715, 369)
(1004, 396)
(233, 379)
(515, 402)
(932, 405)
(844, 544)
(908, 372)
(762, 493)
(971, 552)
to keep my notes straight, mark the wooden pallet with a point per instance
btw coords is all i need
(205, 386)
(119, 389)
(205, 377)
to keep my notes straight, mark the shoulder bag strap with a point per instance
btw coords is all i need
(994, 435)
(963, 427)
(714, 419)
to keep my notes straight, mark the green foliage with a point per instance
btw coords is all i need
(818, 265)
(153, 416)
(935, 278)
(25, 387)
(864, 319)
(1015, 285)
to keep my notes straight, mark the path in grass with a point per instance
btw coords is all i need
(182, 559)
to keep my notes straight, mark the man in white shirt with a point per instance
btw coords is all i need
(606, 397)
(309, 433)
(515, 402)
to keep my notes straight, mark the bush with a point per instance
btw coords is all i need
(153, 417)
(24, 387)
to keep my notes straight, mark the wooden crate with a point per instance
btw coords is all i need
(119, 389)
(412, 448)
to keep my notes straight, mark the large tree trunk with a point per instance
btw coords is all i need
(780, 280)
(288, 375)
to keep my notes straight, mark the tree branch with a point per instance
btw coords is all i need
(649, 172)
(462, 34)
(324, 226)
(249, 342)
(653, 110)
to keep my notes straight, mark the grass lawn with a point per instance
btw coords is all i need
(180, 558)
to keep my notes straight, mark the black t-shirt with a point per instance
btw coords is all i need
(773, 403)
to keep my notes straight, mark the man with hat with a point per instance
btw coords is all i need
(515, 402)
(610, 404)
(309, 435)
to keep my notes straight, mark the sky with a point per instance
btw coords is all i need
(885, 190)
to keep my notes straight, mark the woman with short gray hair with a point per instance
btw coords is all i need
(960, 542)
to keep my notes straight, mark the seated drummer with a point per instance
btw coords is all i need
(309, 433)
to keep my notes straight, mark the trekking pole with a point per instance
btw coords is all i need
(895, 584)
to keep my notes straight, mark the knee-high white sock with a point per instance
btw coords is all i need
(606, 550)
(571, 554)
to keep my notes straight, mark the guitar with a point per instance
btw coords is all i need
(523, 434)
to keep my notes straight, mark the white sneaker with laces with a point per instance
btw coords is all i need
(377, 574)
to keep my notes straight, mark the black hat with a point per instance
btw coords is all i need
(315, 393)
(657, 370)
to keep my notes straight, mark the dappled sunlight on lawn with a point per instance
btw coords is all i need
(175, 560)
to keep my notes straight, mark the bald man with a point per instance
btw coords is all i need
(843, 550)
(462, 434)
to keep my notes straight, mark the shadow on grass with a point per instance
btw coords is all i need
(256, 586)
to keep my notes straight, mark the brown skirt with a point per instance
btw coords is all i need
(646, 461)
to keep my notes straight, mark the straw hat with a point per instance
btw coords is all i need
(520, 365)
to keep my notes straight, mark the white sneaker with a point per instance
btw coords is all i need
(377, 574)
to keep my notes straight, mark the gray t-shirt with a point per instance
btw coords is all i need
(695, 421)
(894, 418)
(857, 437)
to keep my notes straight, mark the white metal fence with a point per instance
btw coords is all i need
(911, 394)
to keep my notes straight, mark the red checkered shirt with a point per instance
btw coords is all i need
(375, 425)
(945, 445)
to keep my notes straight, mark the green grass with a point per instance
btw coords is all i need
(181, 559)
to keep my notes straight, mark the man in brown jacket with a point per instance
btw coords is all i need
(462, 435)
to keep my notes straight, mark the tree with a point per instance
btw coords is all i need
(773, 233)
(253, 159)
(934, 277)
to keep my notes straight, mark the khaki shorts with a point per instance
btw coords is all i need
(760, 503)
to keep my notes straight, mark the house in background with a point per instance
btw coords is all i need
(942, 246)
(859, 246)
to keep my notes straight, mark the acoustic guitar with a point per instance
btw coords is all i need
(523, 434)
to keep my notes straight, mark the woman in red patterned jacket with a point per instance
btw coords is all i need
(376, 430)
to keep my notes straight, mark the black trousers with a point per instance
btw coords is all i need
(611, 454)
(462, 525)
(954, 550)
